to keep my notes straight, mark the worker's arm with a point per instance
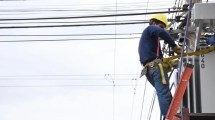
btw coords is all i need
(159, 32)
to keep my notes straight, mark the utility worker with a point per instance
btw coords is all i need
(151, 58)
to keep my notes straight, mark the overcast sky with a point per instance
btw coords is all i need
(74, 79)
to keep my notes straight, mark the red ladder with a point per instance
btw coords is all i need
(179, 93)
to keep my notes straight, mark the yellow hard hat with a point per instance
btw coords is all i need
(161, 17)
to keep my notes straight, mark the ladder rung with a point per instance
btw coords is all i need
(179, 92)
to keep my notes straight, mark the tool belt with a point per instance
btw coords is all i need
(152, 64)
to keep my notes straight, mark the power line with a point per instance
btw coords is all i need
(78, 10)
(10, 41)
(69, 78)
(65, 75)
(137, 77)
(74, 25)
(151, 106)
(144, 93)
(18, 35)
(50, 22)
(90, 16)
(93, 5)
(59, 79)
(96, 23)
(92, 85)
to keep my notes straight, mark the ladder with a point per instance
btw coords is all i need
(179, 93)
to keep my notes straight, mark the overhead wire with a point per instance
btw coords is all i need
(65, 75)
(52, 40)
(135, 87)
(71, 12)
(58, 79)
(86, 16)
(46, 10)
(141, 113)
(39, 22)
(109, 5)
(27, 35)
(26, 11)
(114, 61)
(67, 25)
(61, 11)
(124, 8)
(24, 79)
(132, 104)
(151, 106)
(178, 6)
(61, 78)
(16, 13)
(73, 25)
(181, 4)
(27, 7)
(72, 78)
(173, 17)
(78, 85)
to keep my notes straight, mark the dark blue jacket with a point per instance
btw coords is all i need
(149, 42)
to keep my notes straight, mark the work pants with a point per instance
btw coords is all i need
(164, 95)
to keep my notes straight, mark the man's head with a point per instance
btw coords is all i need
(159, 20)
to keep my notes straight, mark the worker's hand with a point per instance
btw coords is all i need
(177, 50)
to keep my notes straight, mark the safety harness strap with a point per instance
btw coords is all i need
(154, 63)
(158, 48)
(162, 73)
(160, 64)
